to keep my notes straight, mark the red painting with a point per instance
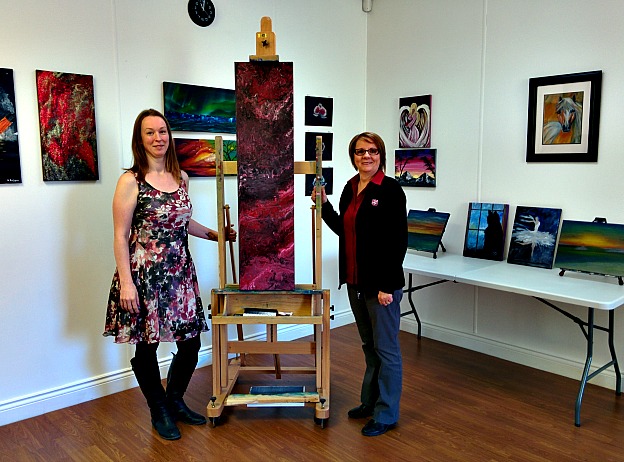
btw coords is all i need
(67, 126)
(197, 157)
(264, 132)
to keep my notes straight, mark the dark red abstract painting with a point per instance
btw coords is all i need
(67, 126)
(264, 131)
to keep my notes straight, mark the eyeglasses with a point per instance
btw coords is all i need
(371, 151)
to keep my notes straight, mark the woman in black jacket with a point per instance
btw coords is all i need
(371, 224)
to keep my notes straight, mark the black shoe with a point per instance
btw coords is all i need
(374, 428)
(361, 411)
(181, 412)
(164, 424)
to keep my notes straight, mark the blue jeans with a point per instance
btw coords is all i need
(378, 327)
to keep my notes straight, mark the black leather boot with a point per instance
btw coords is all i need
(148, 376)
(178, 378)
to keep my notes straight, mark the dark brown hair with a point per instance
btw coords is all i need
(140, 166)
(372, 138)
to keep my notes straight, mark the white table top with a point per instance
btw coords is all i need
(593, 291)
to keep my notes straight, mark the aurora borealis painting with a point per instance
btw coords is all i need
(425, 229)
(591, 247)
(10, 171)
(67, 126)
(266, 180)
(199, 109)
(415, 167)
(197, 156)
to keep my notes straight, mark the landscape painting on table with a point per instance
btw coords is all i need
(425, 229)
(415, 167)
(10, 171)
(591, 247)
(534, 236)
(67, 126)
(415, 122)
(266, 180)
(485, 230)
(197, 156)
(194, 108)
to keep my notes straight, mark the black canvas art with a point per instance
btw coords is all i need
(10, 171)
(534, 236)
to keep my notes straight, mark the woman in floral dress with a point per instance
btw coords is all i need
(154, 296)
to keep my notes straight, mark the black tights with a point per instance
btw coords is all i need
(145, 353)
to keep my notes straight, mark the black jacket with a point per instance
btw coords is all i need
(381, 235)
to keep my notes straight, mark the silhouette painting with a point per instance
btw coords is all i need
(485, 231)
(415, 167)
(534, 236)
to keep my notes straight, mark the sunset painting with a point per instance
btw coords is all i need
(425, 229)
(415, 167)
(197, 157)
(591, 247)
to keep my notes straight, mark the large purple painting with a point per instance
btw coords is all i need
(264, 128)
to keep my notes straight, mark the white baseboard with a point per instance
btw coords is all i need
(27, 406)
(519, 355)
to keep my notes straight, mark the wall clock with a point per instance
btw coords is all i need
(201, 12)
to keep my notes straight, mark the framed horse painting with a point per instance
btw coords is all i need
(564, 116)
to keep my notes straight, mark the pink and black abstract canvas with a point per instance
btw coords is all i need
(67, 126)
(264, 128)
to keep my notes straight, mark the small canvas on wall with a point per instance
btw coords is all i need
(425, 229)
(485, 231)
(591, 247)
(197, 156)
(415, 167)
(319, 111)
(328, 177)
(195, 108)
(10, 171)
(310, 145)
(415, 122)
(67, 126)
(534, 236)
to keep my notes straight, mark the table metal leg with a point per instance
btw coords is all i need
(408, 291)
(588, 360)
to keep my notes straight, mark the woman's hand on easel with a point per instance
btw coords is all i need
(321, 192)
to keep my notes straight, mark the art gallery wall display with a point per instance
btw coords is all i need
(310, 145)
(265, 175)
(425, 229)
(591, 247)
(415, 167)
(328, 179)
(564, 118)
(67, 126)
(415, 122)
(197, 157)
(319, 111)
(10, 171)
(199, 109)
(486, 228)
(534, 236)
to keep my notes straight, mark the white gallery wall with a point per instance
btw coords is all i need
(56, 237)
(475, 58)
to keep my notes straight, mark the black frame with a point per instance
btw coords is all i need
(591, 80)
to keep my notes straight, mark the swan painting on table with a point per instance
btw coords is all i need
(534, 236)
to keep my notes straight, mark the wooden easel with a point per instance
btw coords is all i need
(308, 303)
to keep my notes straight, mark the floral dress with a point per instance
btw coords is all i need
(162, 270)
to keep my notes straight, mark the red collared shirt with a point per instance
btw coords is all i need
(349, 224)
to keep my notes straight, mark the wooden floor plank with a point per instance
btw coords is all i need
(457, 405)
